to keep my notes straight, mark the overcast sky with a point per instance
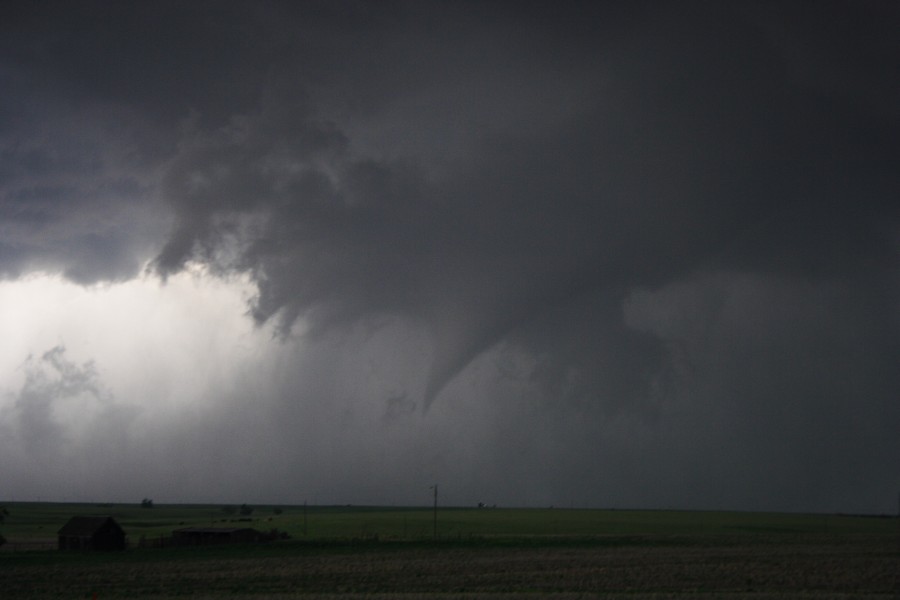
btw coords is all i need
(610, 254)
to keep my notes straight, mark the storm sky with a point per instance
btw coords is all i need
(607, 254)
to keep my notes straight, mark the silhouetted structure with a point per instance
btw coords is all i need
(198, 536)
(91, 533)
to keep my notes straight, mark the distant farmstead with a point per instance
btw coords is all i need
(91, 533)
(201, 536)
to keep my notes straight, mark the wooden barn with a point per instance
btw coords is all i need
(91, 533)
(201, 536)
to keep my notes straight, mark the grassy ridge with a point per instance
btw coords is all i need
(40, 521)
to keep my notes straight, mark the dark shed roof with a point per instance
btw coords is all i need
(85, 526)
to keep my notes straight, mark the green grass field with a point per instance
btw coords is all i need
(371, 552)
(40, 521)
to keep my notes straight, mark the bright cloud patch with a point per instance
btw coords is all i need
(152, 345)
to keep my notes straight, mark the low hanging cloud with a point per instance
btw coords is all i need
(55, 392)
(594, 253)
(60, 425)
(688, 146)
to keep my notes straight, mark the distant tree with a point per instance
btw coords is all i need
(146, 503)
(277, 510)
(246, 511)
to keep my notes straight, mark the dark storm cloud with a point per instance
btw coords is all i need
(74, 188)
(673, 139)
(677, 221)
(92, 98)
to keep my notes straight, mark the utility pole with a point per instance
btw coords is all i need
(435, 511)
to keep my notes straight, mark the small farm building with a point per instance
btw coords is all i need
(91, 533)
(196, 536)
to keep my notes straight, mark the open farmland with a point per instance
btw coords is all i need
(363, 552)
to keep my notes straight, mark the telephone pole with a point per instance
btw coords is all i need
(435, 511)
